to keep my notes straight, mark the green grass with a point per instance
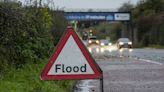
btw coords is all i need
(156, 46)
(26, 79)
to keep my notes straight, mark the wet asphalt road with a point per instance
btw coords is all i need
(137, 70)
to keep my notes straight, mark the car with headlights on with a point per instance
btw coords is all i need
(105, 42)
(93, 40)
(124, 43)
(84, 35)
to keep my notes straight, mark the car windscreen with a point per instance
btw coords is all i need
(104, 41)
(124, 40)
(93, 38)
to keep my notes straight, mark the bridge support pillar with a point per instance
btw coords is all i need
(124, 32)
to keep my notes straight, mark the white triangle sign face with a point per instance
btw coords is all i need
(71, 60)
(78, 64)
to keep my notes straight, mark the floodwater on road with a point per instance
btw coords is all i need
(131, 75)
(135, 70)
(153, 55)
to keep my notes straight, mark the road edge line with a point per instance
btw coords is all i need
(150, 61)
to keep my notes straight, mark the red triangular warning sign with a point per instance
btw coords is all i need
(71, 60)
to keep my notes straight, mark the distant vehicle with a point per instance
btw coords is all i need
(93, 40)
(85, 36)
(124, 43)
(105, 42)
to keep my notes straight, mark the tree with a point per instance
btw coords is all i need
(126, 7)
(145, 15)
(25, 34)
(59, 25)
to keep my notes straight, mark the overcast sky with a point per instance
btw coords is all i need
(92, 4)
(87, 4)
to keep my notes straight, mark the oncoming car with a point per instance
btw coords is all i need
(84, 35)
(124, 43)
(93, 40)
(105, 42)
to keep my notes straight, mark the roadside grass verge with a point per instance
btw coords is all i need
(26, 79)
(156, 46)
(149, 46)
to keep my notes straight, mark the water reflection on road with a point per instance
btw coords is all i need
(87, 86)
(130, 64)
(154, 55)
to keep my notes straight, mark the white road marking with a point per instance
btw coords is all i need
(150, 61)
(127, 67)
(137, 82)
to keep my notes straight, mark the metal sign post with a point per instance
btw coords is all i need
(102, 83)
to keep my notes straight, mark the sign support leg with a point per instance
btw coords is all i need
(102, 84)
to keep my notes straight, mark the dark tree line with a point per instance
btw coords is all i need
(148, 20)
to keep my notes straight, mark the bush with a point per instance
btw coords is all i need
(25, 43)
(25, 34)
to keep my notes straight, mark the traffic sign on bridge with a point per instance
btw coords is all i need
(71, 60)
(97, 16)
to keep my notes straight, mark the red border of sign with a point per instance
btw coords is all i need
(92, 63)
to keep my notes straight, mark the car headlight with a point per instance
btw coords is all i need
(97, 41)
(97, 50)
(130, 43)
(121, 43)
(90, 41)
(110, 44)
(102, 44)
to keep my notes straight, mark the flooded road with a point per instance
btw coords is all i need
(139, 70)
